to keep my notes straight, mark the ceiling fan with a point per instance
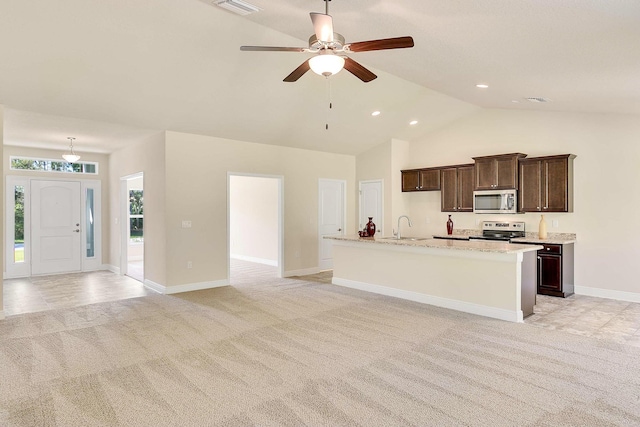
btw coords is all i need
(330, 50)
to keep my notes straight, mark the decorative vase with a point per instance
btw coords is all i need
(542, 228)
(449, 225)
(371, 227)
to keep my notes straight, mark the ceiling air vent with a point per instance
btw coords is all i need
(237, 6)
(537, 99)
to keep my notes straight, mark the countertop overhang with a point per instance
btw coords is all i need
(458, 245)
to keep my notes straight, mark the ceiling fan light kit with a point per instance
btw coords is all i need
(331, 50)
(326, 63)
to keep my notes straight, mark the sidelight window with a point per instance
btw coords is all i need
(18, 233)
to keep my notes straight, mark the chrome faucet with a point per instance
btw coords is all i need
(399, 218)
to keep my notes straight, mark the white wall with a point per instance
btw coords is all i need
(196, 190)
(253, 218)
(606, 171)
(3, 233)
(148, 157)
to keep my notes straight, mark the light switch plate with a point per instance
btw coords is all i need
(554, 223)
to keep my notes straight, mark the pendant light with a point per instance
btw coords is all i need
(72, 157)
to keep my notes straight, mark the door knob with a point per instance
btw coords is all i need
(339, 229)
(76, 230)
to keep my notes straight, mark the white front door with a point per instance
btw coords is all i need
(371, 204)
(331, 217)
(55, 227)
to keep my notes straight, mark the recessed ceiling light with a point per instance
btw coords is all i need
(413, 122)
(482, 86)
(375, 113)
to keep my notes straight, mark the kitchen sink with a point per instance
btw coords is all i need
(405, 238)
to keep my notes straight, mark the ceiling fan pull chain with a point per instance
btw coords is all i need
(326, 126)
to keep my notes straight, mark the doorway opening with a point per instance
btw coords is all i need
(132, 229)
(254, 227)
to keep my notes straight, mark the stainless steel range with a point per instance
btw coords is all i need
(497, 230)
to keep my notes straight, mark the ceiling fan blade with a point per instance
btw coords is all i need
(358, 70)
(272, 49)
(323, 26)
(298, 72)
(394, 43)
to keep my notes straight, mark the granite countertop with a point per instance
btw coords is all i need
(551, 239)
(462, 245)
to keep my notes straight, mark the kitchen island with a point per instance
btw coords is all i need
(492, 279)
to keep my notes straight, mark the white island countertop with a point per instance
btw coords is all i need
(489, 278)
(460, 245)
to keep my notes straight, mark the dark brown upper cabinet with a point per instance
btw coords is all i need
(497, 172)
(457, 184)
(546, 184)
(421, 179)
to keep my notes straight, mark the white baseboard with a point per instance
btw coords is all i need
(111, 268)
(188, 287)
(607, 293)
(467, 307)
(272, 262)
(301, 272)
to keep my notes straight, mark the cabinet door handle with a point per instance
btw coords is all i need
(417, 188)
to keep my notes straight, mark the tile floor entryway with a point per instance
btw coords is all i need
(609, 319)
(40, 293)
(601, 318)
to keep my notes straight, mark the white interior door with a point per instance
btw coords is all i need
(371, 204)
(55, 227)
(331, 217)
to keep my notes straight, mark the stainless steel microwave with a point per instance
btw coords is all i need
(495, 202)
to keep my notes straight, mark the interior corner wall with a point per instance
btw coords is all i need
(253, 218)
(400, 156)
(197, 191)
(3, 233)
(148, 157)
(606, 175)
(375, 164)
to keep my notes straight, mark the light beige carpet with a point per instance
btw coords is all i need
(295, 353)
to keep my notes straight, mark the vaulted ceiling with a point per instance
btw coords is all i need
(110, 72)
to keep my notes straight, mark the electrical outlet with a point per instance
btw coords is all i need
(297, 254)
(554, 223)
(189, 264)
(428, 220)
(186, 224)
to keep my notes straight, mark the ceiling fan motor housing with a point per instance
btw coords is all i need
(317, 45)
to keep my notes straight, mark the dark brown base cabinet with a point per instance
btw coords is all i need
(555, 270)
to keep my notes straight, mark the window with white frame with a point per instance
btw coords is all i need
(52, 165)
